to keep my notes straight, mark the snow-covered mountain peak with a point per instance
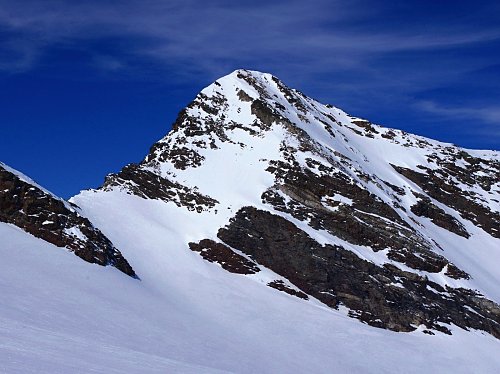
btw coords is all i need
(264, 221)
(252, 171)
(259, 103)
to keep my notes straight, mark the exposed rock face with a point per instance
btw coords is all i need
(345, 211)
(382, 296)
(54, 220)
(438, 186)
(281, 286)
(365, 220)
(224, 256)
(146, 184)
(425, 208)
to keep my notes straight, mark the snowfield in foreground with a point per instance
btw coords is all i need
(59, 315)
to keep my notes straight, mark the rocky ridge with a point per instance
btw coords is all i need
(35, 210)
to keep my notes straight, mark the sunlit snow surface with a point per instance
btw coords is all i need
(60, 314)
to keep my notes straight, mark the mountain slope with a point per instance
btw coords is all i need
(270, 233)
(400, 230)
(42, 214)
(60, 318)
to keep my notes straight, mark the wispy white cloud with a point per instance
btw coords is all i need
(485, 114)
(209, 35)
(108, 63)
(488, 116)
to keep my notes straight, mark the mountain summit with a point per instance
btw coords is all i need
(355, 215)
(264, 220)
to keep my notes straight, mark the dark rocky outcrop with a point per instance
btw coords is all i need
(264, 113)
(243, 96)
(366, 126)
(224, 256)
(144, 183)
(399, 190)
(281, 286)
(382, 296)
(473, 171)
(55, 221)
(440, 188)
(425, 208)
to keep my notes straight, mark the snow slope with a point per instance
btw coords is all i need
(70, 316)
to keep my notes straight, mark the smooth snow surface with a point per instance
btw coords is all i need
(61, 315)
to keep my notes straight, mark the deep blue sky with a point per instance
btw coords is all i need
(88, 86)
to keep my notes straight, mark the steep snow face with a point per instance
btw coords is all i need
(256, 171)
